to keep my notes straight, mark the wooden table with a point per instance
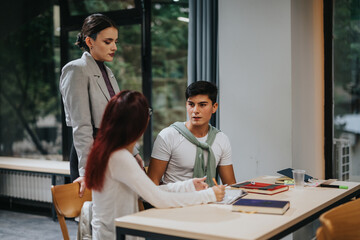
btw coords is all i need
(213, 221)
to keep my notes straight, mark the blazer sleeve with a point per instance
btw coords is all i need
(75, 90)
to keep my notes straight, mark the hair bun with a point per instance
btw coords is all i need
(80, 41)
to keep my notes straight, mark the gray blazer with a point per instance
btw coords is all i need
(85, 97)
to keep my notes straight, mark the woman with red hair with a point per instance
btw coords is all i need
(115, 177)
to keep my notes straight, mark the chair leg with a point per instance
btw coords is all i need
(63, 227)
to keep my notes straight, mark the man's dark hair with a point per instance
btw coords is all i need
(202, 88)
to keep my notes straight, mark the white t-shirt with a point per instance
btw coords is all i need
(124, 181)
(173, 147)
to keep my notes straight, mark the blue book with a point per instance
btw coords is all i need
(260, 206)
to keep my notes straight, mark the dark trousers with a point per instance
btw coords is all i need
(74, 164)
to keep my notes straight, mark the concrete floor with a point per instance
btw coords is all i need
(15, 225)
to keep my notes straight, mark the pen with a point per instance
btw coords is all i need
(333, 186)
(214, 180)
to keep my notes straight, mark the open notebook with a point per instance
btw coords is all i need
(231, 195)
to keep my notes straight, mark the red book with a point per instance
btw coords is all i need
(261, 188)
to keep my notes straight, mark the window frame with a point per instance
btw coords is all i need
(328, 87)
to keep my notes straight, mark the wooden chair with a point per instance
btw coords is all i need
(67, 203)
(342, 222)
(320, 235)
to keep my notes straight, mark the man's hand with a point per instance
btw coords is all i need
(200, 183)
(81, 181)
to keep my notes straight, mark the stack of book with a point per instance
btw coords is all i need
(261, 188)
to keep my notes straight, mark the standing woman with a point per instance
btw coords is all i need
(86, 86)
(115, 177)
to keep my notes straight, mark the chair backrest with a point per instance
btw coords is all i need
(342, 222)
(67, 203)
(320, 235)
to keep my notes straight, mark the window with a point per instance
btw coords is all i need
(86, 7)
(346, 89)
(169, 29)
(29, 97)
(36, 46)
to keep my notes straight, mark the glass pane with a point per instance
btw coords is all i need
(347, 89)
(83, 7)
(169, 31)
(30, 123)
(127, 62)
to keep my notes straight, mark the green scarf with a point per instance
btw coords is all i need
(199, 168)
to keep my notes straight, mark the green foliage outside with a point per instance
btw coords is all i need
(28, 87)
(169, 63)
(30, 70)
(346, 59)
(84, 7)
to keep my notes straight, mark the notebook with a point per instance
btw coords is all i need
(231, 195)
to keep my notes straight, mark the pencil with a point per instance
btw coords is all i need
(214, 180)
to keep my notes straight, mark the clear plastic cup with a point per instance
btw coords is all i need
(298, 176)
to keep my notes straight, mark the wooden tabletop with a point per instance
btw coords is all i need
(213, 221)
(24, 164)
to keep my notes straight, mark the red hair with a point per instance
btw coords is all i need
(124, 121)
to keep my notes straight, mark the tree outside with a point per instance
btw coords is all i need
(30, 107)
(346, 49)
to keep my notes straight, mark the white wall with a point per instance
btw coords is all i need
(308, 86)
(271, 123)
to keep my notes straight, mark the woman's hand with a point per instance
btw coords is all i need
(81, 181)
(200, 183)
(219, 191)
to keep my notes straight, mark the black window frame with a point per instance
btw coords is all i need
(328, 7)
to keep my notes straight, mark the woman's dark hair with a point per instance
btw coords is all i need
(92, 25)
(125, 120)
(202, 88)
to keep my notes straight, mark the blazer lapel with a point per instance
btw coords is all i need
(113, 81)
(95, 70)
(101, 82)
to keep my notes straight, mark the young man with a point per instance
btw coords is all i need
(193, 148)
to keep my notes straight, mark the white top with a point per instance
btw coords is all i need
(124, 180)
(171, 146)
